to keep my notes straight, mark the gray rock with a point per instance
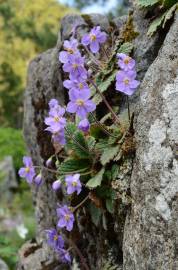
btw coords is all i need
(3, 265)
(151, 229)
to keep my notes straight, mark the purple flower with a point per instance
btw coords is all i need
(66, 217)
(75, 67)
(64, 255)
(38, 179)
(54, 239)
(70, 47)
(28, 171)
(125, 62)
(73, 183)
(56, 184)
(126, 83)
(48, 162)
(77, 85)
(80, 104)
(94, 39)
(59, 137)
(84, 125)
(53, 103)
(55, 121)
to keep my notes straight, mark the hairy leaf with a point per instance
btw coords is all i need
(91, 142)
(74, 166)
(114, 171)
(169, 14)
(147, 3)
(161, 20)
(155, 24)
(109, 154)
(126, 48)
(110, 205)
(96, 180)
(168, 3)
(95, 214)
(80, 146)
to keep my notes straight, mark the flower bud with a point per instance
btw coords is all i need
(38, 179)
(56, 185)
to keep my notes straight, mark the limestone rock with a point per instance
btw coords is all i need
(151, 229)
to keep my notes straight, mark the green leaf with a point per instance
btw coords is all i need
(155, 24)
(95, 214)
(161, 20)
(103, 86)
(169, 14)
(110, 205)
(102, 144)
(74, 166)
(96, 180)
(96, 131)
(80, 146)
(109, 154)
(114, 171)
(147, 3)
(104, 222)
(168, 3)
(106, 117)
(126, 48)
(91, 142)
(71, 127)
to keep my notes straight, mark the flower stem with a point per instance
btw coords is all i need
(105, 52)
(128, 108)
(96, 61)
(102, 127)
(47, 169)
(81, 203)
(105, 101)
(82, 259)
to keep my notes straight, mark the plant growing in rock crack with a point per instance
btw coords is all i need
(90, 144)
(162, 11)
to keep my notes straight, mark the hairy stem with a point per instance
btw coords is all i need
(102, 127)
(128, 108)
(81, 203)
(105, 101)
(82, 259)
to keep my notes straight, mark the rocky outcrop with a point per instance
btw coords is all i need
(151, 229)
(153, 181)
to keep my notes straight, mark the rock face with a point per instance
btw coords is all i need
(150, 231)
(151, 228)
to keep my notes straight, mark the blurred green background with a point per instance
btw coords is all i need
(28, 27)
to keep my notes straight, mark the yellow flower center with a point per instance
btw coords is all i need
(27, 169)
(80, 102)
(75, 65)
(81, 85)
(92, 37)
(55, 238)
(56, 119)
(127, 60)
(126, 81)
(67, 217)
(69, 50)
(74, 183)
